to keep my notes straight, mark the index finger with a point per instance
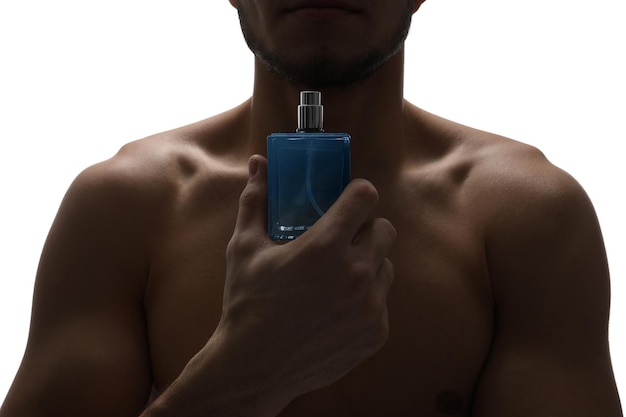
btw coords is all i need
(252, 214)
(353, 208)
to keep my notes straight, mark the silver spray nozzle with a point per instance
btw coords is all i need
(310, 112)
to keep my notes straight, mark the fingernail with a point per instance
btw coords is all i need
(253, 167)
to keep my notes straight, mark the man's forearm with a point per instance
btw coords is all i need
(218, 383)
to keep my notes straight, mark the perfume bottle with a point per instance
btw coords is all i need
(307, 171)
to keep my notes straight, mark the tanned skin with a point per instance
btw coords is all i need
(460, 273)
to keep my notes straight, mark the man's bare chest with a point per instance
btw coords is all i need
(440, 316)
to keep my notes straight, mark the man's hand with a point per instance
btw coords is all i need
(297, 316)
(315, 307)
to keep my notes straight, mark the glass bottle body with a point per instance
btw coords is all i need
(306, 174)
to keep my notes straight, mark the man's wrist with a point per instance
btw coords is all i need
(221, 380)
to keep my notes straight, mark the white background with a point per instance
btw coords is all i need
(80, 78)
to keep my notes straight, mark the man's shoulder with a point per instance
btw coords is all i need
(168, 160)
(497, 163)
(514, 190)
(149, 173)
(504, 176)
(519, 175)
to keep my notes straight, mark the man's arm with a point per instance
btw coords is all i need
(550, 353)
(87, 351)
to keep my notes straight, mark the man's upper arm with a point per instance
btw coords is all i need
(550, 280)
(87, 353)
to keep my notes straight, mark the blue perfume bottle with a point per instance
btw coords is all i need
(307, 171)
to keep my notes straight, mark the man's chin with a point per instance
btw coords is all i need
(324, 71)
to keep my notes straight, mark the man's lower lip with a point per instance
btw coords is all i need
(322, 11)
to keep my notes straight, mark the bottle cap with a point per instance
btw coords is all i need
(310, 112)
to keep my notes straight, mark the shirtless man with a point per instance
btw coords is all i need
(465, 276)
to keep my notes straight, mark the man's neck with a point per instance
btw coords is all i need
(372, 112)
